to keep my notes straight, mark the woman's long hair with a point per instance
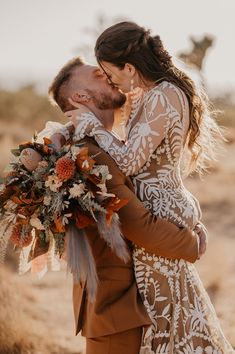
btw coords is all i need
(126, 42)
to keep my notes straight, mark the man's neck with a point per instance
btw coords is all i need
(105, 116)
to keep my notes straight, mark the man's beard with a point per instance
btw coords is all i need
(105, 101)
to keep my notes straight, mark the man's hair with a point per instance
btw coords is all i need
(58, 90)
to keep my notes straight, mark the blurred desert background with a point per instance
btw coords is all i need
(36, 314)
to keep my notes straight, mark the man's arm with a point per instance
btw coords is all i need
(138, 225)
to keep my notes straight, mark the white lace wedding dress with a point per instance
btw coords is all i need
(183, 318)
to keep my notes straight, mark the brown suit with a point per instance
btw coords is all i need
(118, 306)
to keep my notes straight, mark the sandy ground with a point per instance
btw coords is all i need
(51, 297)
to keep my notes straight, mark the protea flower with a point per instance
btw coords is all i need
(65, 168)
(30, 158)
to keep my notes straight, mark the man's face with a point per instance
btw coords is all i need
(91, 80)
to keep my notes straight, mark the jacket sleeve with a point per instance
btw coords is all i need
(138, 225)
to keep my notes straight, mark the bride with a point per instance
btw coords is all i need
(168, 118)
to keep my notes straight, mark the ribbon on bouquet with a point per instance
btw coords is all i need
(79, 256)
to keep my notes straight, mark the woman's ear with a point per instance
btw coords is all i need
(81, 97)
(129, 70)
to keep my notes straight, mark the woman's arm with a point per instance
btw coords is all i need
(144, 137)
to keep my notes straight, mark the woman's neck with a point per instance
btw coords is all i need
(145, 84)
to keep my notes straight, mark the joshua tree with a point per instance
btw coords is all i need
(196, 57)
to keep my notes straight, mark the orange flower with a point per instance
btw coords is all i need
(65, 168)
(17, 239)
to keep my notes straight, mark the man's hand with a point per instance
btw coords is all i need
(202, 234)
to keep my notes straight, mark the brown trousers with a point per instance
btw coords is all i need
(127, 342)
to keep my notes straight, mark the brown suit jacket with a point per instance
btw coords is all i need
(118, 306)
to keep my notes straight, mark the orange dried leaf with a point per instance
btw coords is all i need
(84, 161)
(16, 200)
(58, 223)
(82, 220)
(46, 149)
(47, 141)
(112, 206)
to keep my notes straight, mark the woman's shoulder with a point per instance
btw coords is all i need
(165, 91)
(164, 87)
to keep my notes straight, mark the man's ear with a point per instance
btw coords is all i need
(80, 96)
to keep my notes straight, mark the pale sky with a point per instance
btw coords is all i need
(38, 36)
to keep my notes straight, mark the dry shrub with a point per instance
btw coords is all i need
(20, 330)
(15, 336)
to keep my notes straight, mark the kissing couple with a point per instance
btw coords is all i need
(149, 123)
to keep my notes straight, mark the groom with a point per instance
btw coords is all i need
(113, 324)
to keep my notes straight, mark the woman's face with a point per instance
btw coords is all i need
(120, 78)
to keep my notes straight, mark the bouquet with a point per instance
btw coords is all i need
(47, 200)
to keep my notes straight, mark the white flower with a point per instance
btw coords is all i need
(104, 194)
(85, 164)
(102, 187)
(65, 218)
(103, 191)
(95, 171)
(77, 190)
(47, 200)
(36, 222)
(10, 217)
(53, 182)
(10, 205)
(103, 171)
(75, 151)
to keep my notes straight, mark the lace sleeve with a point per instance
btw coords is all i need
(54, 128)
(145, 136)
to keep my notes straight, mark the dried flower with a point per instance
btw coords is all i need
(36, 222)
(20, 239)
(75, 150)
(65, 168)
(42, 196)
(10, 205)
(103, 191)
(77, 190)
(54, 183)
(41, 166)
(47, 200)
(103, 171)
